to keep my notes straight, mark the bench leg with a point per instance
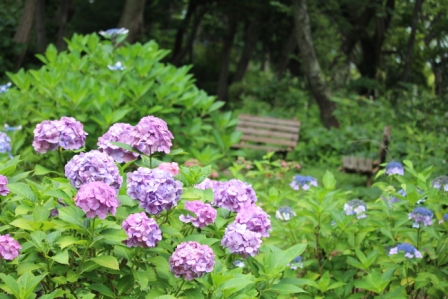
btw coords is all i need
(369, 180)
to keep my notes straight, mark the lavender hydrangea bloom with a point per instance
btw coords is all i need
(151, 135)
(208, 184)
(285, 213)
(46, 136)
(119, 132)
(304, 182)
(93, 166)
(440, 183)
(206, 215)
(97, 198)
(4, 88)
(114, 32)
(408, 249)
(3, 188)
(5, 144)
(356, 207)
(172, 167)
(234, 195)
(255, 219)
(71, 133)
(9, 248)
(191, 260)
(394, 168)
(296, 263)
(239, 239)
(155, 189)
(142, 231)
(421, 215)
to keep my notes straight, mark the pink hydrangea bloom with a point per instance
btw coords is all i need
(255, 219)
(93, 166)
(97, 198)
(119, 132)
(191, 260)
(151, 135)
(3, 188)
(172, 167)
(71, 133)
(142, 231)
(156, 189)
(233, 195)
(206, 215)
(46, 136)
(9, 248)
(239, 239)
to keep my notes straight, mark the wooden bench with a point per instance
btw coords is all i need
(368, 167)
(268, 133)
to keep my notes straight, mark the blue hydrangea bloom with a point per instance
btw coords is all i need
(4, 88)
(421, 215)
(440, 183)
(285, 213)
(114, 32)
(116, 67)
(304, 182)
(9, 129)
(5, 144)
(296, 263)
(408, 249)
(394, 168)
(356, 207)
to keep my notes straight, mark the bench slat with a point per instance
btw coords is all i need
(260, 147)
(276, 127)
(272, 120)
(272, 134)
(268, 140)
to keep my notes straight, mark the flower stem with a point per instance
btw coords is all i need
(180, 288)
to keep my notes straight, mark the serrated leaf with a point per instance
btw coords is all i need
(286, 289)
(72, 215)
(61, 257)
(102, 289)
(107, 261)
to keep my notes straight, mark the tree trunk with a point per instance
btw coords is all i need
(23, 31)
(132, 19)
(285, 56)
(250, 42)
(411, 41)
(192, 5)
(311, 66)
(223, 83)
(65, 13)
(41, 18)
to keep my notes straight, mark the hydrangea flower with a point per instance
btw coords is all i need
(9, 248)
(285, 213)
(114, 32)
(155, 189)
(234, 195)
(119, 132)
(141, 230)
(255, 220)
(239, 239)
(444, 218)
(46, 136)
(304, 182)
(440, 183)
(394, 168)
(208, 184)
(296, 263)
(97, 198)
(408, 249)
(172, 167)
(3, 188)
(116, 67)
(4, 88)
(71, 133)
(205, 214)
(151, 135)
(239, 263)
(93, 166)
(9, 129)
(5, 144)
(191, 260)
(356, 207)
(421, 215)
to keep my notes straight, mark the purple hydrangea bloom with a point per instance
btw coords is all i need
(9, 248)
(234, 195)
(394, 168)
(356, 207)
(285, 213)
(155, 189)
(151, 135)
(114, 32)
(46, 136)
(421, 215)
(93, 166)
(71, 133)
(142, 231)
(3, 188)
(205, 214)
(208, 184)
(255, 219)
(172, 167)
(304, 182)
(5, 144)
(296, 263)
(239, 239)
(119, 132)
(440, 183)
(4, 88)
(97, 198)
(408, 249)
(191, 260)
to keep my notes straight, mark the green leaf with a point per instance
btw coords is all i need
(61, 257)
(23, 224)
(22, 189)
(284, 288)
(73, 215)
(106, 261)
(102, 289)
(114, 236)
(13, 286)
(40, 170)
(27, 283)
(124, 252)
(329, 180)
(166, 297)
(125, 283)
(69, 240)
(41, 213)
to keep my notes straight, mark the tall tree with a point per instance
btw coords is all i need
(23, 31)
(316, 79)
(65, 13)
(132, 18)
(41, 18)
